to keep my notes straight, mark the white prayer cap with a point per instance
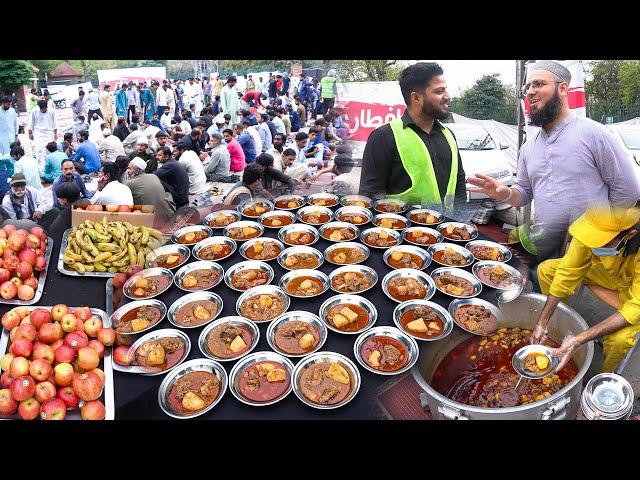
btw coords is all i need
(143, 141)
(106, 132)
(139, 163)
(219, 119)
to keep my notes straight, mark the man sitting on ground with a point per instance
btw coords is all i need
(274, 181)
(87, 157)
(192, 164)
(218, 167)
(22, 202)
(53, 163)
(142, 151)
(110, 190)
(147, 189)
(173, 176)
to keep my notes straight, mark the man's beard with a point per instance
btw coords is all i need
(548, 113)
(432, 111)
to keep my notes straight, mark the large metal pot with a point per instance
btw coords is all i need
(523, 312)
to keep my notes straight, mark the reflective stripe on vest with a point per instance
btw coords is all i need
(417, 162)
(327, 87)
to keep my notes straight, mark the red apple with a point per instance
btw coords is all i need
(12, 333)
(111, 208)
(27, 331)
(122, 356)
(70, 399)
(21, 347)
(9, 229)
(25, 321)
(22, 311)
(83, 313)
(124, 208)
(53, 409)
(38, 232)
(8, 406)
(29, 409)
(69, 323)
(63, 374)
(40, 369)
(23, 388)
(97, 346)
(40, 316)
(5, 380)
(100, 373)
(58, 311)
(93, 410)
(56, 344)
(50, 332)
(40, 263)
(5, 275)
(3, 234)
(64, 354)
(11, 264)
(133, 269)
(42, 351)
(27, 255)
(75, 340)
(16, 241)
(24, 270)
(88, 386)
(32, 241)
(25, 292)
(5, 361)
(88, 357)
(8, 290)
(107, 336)
(45, 391)
(11, 319)
(32, 282)
(92, 326)
(118, 281)
(19, 367)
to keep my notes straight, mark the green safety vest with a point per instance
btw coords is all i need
(327, 87)
(417, 162)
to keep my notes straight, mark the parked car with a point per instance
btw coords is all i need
(629, 138)
(480, 153)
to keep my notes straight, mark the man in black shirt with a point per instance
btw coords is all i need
(173, 176)
(191, 141)
(121, 131)
(384, 172)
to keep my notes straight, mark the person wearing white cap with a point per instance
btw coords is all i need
(570, 163)
(217, 126)
(143, 152)
(111, 146)
(147, 189)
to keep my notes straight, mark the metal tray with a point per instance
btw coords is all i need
(106, 366)
(41, 279)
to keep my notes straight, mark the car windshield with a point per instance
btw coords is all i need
(473, 138)
(631, 138)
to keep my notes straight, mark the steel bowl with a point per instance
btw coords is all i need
(418, 275)
(116, 317)
(276, 213)
(248, 265)
(302, 316)
(425, 230)
(196, 365)
(485, 243)
(425, 210)
(336, 246)
(211, 241)
(298, 198)
(439, 247)
(208, 220)
(149, 272)
(401, 206)
(330, 197)
(167, 249)
(420, 252)
(297, 250)
(236, 321)
(199, 265)
(350, 200)
(249, 243)
(243, 223)
(515, 274)
(314, 209)
(370, 272)
(393, 216)
(355, 230)
(263, 290)
(363, 212)
(321, 357)
(458, 272)
(350, 299)
(470, 228)
(518, 361)
(404, 307)
(263, 202)
(408, 342)
(248, 361)
(298, 227)
(192, 297)
(162, 333)
(191, 228)
(397, 236)
(304, 272)
(500, 321)
(609, 395)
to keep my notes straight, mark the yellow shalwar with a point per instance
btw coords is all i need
(560, 278)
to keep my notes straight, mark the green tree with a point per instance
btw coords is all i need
(45, 66)
(368, 70)
(14, 74)
(487, 99)
(629, 78)
(604, 85)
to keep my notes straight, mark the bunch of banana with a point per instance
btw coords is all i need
(109, 246)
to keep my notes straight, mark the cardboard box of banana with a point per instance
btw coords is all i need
(108, 246)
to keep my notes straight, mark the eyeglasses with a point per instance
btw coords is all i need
(536, 85)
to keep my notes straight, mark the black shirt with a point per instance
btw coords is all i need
(382, 169)
(175, 180)
(189, 144)
(121, 132)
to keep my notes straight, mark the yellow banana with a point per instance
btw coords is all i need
(79, 267)
(102, 257)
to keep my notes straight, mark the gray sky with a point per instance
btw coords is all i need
(462, 74)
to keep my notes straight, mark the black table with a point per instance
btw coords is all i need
(136, 395)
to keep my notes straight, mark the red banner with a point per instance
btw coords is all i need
(365, 117)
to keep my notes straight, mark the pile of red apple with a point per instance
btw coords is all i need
(52, 363)
(116, 208)
(22, 259)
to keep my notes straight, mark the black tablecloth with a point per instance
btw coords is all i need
(136, 396)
